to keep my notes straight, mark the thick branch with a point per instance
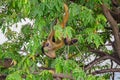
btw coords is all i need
(115, 3)
(90, 65)
(99, 53)
(115, 28)
(116, 14)
(106, 71)
(112, 57)
(46, 68)
(63, 76)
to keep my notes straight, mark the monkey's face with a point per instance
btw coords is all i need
(47, 49)
(47, 45)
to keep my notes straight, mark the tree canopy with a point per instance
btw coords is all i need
(95, 23)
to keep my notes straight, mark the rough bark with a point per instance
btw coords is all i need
(91, 64)
(115, 28)
(115, 11)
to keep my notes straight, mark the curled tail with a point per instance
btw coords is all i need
(65, 17)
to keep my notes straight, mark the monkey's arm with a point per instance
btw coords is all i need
(51, 35)
(58, 45)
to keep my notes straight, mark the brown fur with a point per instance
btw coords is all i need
(49, 46)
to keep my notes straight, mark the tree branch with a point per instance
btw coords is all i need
(115, 28)
(106, 71)
(63, 76)
(55, 75)
(46, 68)
(90, 65)
(99, 53)
(115, 3)
(103, 56)
(112, 57)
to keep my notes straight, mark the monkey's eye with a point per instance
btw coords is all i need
(47, 44)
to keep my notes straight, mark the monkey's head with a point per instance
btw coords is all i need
(47, 49)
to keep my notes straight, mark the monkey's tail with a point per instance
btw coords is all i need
(65, 17)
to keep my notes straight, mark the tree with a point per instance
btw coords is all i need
(93, 22)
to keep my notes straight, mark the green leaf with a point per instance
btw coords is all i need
(14, 76)
(46, 75)
(68, 32)
(79, 74)
(59, 66)
(58, 32)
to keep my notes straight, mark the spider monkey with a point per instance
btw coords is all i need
(51, 45)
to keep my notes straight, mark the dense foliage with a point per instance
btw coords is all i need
(86, 22)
